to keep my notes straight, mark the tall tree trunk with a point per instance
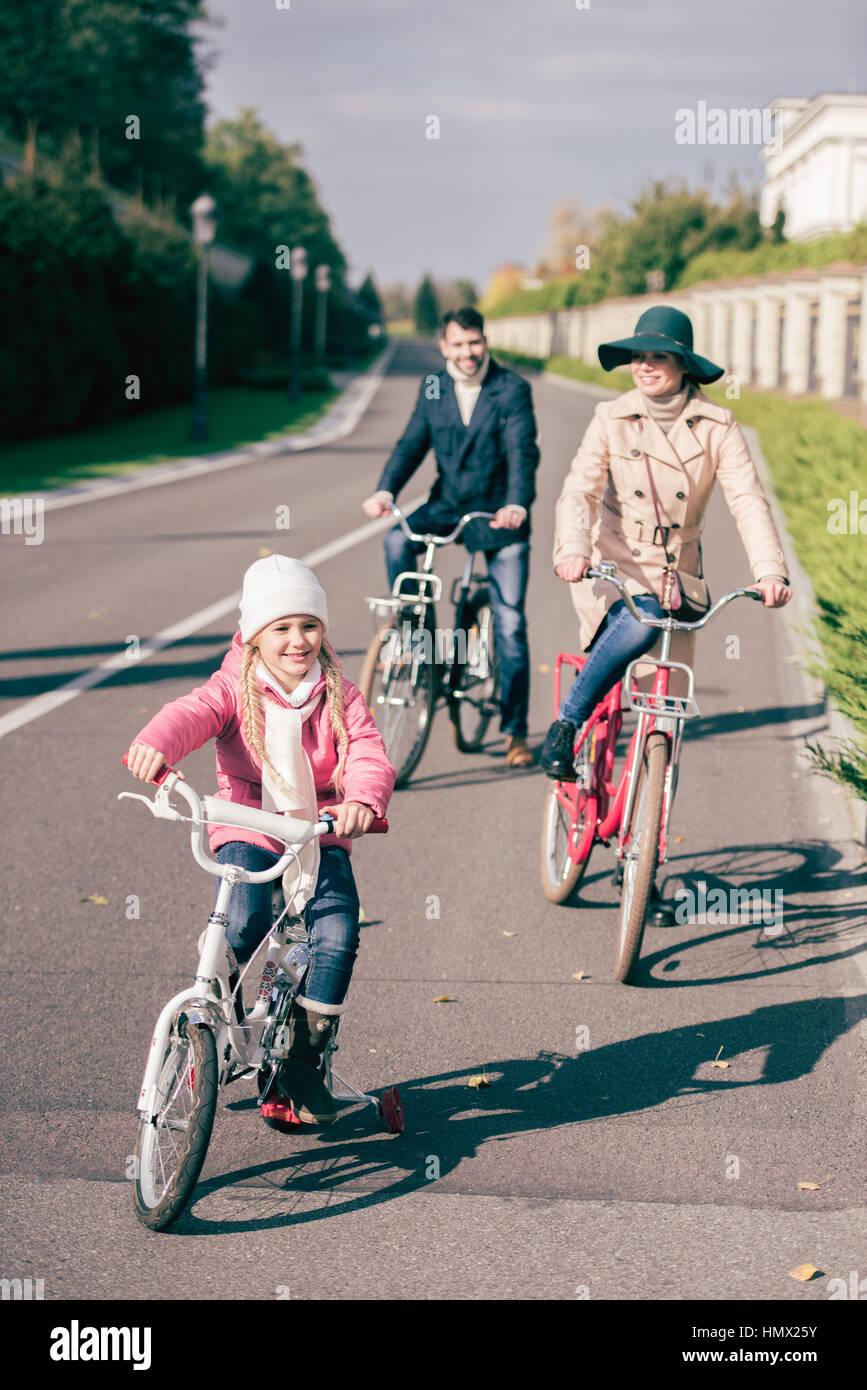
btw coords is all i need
(30, 145)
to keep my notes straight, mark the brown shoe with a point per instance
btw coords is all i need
(518, 752)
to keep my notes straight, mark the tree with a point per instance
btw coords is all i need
(396, 301)
(426, 309)
(368, 297)
(569, 227)
(504, 282)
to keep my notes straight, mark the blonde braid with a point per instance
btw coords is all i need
(336, 715)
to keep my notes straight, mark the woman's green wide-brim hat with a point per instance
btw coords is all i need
(661, 329)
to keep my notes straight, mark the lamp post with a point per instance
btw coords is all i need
(204, 230)
(323, 285)
(298, 271)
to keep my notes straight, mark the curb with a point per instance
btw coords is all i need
(799, 615)
(338, 421)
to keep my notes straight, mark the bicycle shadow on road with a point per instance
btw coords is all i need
(808, 932)
(449, 1122)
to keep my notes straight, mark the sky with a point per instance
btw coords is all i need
(535, 100)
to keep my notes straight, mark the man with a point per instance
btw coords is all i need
(478, 417)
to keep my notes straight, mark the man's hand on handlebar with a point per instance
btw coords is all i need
(145, 762)
(378, 505)
(508, 518)
(775, 594)
(351, 818)
(573, 568)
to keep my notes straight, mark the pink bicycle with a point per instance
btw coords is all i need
(637, 809)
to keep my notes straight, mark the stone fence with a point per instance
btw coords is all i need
(798, 332)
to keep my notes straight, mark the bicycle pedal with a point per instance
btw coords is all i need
(279, 1110)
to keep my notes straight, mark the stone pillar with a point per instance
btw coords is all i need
(743, 312)
(802, 291)
(838, 284)
(771, 297)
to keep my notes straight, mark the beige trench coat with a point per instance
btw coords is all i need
(606, 511)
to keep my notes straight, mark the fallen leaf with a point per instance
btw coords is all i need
(362, 915)
(264, 552)
(804, 1273)
(716, 1061)
(94, 614)
(96, 898)
(545, 670)
(445, 999)
(679, 839)
(814, 1186)
(510, 933)
(580, 975)
(477, 1081)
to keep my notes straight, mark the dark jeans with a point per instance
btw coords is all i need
(331, 916)
(621, 640)
(508, 570)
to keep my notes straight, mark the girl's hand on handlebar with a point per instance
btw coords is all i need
(573, 568)
(775, 594)
(378, 505)
(145, 762)
(351, 818)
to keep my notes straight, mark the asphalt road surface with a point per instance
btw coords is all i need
(608, 1158)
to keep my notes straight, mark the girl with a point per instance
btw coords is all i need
(291, 735)
(636, 494)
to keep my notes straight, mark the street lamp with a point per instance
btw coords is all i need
(298, 271)
(323, 285)
(204, 211)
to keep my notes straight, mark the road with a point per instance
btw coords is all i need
(609, 1158)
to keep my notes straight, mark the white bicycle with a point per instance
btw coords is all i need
(203, 1039)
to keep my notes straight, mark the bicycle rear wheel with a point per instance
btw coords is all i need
(171, 1148)
(561, 874)
(473, 682)
(641, 856)
(399, 688)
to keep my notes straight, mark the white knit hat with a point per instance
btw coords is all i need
(278, 587)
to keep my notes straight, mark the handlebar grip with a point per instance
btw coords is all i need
(379, 825)
(161, 776)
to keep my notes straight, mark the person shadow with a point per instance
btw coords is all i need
(449, 1121)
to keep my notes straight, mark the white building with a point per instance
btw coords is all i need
(816, 167)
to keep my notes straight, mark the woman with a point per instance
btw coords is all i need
(607, 510)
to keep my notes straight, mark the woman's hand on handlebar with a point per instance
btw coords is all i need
(145, 762)
(378, 505)
(573, 568)
(508, 518)
(775, 594)
(351, 818)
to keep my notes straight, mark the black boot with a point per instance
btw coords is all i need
(300, 1079)
(558, 751)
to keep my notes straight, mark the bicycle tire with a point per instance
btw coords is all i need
(473, 701)
(559, 871)
(376, 688)
(643, 855)
(158, 1209)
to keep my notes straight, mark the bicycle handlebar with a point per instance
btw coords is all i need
(608, 571)
(435, 540)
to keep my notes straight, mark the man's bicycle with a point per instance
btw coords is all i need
(411, 663)
(637, 809)
(203, 1040)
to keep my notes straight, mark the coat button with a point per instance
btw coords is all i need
(636, 552)
(690, 423)
(638, 492)
(680, 496)
(675, 526)
(636, 453)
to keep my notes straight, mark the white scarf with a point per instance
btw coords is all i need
(468, 388)
(286, 755)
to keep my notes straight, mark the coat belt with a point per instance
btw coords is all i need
(635, 530)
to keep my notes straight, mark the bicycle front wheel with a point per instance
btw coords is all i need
(399, 688)
(641, 856)
(562, 827)
(473, 683)
(171, 1147)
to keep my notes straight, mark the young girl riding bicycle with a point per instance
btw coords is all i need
(291, 735)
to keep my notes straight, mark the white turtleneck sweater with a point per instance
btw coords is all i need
(468, 388)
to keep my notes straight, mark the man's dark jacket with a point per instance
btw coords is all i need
(482, 466)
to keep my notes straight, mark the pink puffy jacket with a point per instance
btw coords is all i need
(213, 710)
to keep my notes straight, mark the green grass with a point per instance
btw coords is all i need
(815, 455)
(238, 415)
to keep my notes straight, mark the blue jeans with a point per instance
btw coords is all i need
(508, 570)
(331, 916)
(621, 640)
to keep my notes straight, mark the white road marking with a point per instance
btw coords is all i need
(122, 661)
